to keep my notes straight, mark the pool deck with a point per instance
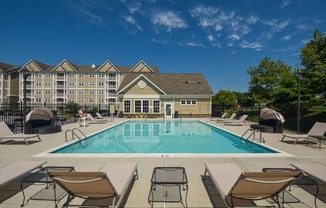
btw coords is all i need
(199, 190)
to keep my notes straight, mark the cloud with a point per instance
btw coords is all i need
(169, 19)
(192, 44)
(255, 45)
(277, 25)
(210, 38)
(86, 12)
(132, 21)
(234, 37)
(133, 7)
(287, 37)
(285, 3)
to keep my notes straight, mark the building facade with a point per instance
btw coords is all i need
(132, 90)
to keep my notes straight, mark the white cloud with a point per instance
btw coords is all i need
(203, 10)
(234, 37)
(134, 7)
(255, 45)
(210, 38)
(277, 25)
(132, 21)
(168, 19)
(252, 19)
(287, 37)
(285, 3)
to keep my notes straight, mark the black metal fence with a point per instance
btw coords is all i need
(13, 114)
(308, 116)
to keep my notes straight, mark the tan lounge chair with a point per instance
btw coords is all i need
(233, 183)
(314, 171)
(318, 131)
(6, 133)
(216, 118)
(226, 119)
(96, 120)
(236, 122)
(15, 170)
(101, 117)
(106, 188)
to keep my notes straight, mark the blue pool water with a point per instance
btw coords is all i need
(163, 137)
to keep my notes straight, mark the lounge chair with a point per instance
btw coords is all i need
(216, 118)
(233, 183)
(236, 122)
(18, 169)
(313, 171)
(106, 188)
(6, 133)
(101, 117)
(96, 120)
(226, 119)
(318, 131)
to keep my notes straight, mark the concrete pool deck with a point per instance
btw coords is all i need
(201, 193)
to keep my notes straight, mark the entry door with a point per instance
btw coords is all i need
(168, 109)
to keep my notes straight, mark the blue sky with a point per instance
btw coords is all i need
(220, 38)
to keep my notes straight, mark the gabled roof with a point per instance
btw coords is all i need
(107, 66)
(177, 84)
(66, 66)
(35, 66)
(4, 67)
(139, 77)
(141, 67)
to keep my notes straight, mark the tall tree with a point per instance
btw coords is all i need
(313, 58)
(225, 97)
(265, 79)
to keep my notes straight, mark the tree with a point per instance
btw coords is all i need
(265, 79)
(225, 97)
(313, 58)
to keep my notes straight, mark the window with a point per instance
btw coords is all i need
(101, 75)
(127, 106)
(80, 100)
(101, 100)
(91, 75)
(81, 92)
(47, 75)
(145, 106)
(91, 84)
(47, 83)
(101, 92)
(71, 100)
(81, 84)
(47, 92)
(38, 83)
(91, 92)
(81, 75)
(100, 84)
(137, 106)
(188, 102)
(156, 106)
(37, 75)
(47, 100)
(38, 92)
(71, 92)
(141, 106)
(91, 100)
(71, 75)
(38, 100)
(71, 83)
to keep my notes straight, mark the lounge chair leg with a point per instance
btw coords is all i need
(283, 138)
(26, 141)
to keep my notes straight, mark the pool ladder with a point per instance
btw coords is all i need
(252, 133)
(73, 134)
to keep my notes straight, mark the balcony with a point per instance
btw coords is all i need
(61, 86)
(61, 78)
(112, 87)
(61, 95)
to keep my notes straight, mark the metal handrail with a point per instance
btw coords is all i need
(253, 133)
(73, 134)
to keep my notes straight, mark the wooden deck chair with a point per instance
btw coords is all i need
(236, 122)
(318, 131)
(6, 133)
(233, 183)
(99, 189)
(101, 117)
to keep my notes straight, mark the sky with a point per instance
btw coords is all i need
(221, 39)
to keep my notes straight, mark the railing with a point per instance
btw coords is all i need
(73, 134)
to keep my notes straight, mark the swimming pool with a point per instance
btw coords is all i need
(163, 137)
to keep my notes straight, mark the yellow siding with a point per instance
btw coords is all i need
(147, 90)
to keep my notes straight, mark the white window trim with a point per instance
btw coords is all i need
(186, 100)
(159, 106)
(124, 106)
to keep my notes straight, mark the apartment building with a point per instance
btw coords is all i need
(132, 90)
